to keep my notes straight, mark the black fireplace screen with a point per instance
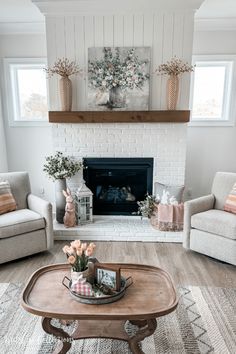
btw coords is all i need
(118, 183)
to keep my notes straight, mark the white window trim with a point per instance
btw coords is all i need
(229, 93)
(11, 106)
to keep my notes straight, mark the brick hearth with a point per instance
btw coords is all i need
(116, 228)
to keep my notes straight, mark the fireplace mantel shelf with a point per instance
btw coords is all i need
(119, 116)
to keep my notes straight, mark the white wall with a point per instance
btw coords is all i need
(210, 149)
(3, 150)
(27, 146)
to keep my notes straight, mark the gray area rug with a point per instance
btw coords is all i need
(204, 322)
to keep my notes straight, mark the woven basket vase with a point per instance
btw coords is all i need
(65, 88)
(172, 92)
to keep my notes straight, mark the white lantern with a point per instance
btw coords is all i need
(84, 204)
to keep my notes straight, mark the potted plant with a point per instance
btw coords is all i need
(78, 256)
(64, 68)
(59, 167)
(173, 68)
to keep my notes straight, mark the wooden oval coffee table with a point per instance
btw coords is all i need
(152, 295)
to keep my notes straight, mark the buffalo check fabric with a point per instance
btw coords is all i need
(7, 201)
(230, 203)
(82, 288)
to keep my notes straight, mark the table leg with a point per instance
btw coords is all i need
(64, 337)
(142, 333)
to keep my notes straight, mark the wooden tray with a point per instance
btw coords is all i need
(91, 300)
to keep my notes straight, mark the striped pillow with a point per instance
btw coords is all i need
(7, 201)
(230, 203)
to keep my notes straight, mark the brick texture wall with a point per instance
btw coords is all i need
(166, 143)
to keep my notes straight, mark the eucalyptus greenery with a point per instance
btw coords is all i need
(146, 206)
(59, 166)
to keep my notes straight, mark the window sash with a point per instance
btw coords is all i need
(13, 109)
(228, 62)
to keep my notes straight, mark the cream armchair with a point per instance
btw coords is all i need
(208, 229)
(28, 229)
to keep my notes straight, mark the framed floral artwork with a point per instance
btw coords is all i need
(118, 78)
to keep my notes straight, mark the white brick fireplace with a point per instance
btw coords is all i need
(165, 26)
(166, 143)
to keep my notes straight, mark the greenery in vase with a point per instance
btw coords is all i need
(78, 254)
(174, 67)
(111, 71)
(59, 166)
(146, 206)
(64, 68)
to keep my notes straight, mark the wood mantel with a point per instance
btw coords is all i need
(119, 117)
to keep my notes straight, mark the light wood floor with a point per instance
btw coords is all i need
(186, 267)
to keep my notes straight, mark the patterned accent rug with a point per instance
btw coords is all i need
(204, 322)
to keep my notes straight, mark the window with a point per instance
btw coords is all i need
(26, 91)
(211, 90)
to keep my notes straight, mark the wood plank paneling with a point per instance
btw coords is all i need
(128, 30)
(98, 31)
(167, 34)
(119, 117)
(51, 56)
(108, 31)
(138, 30)
(157, 59)
(118, 31)
(80, 57)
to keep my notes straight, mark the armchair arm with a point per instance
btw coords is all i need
(43, 208)
(192, 207)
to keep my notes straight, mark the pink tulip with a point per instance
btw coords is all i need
(71, 259)
(66, 249)
(89, 252)
(84, 246)
(79, 252)
(75, 244)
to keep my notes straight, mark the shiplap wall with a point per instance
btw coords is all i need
(167, 34)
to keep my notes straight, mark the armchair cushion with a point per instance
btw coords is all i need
(19, 222)
(230, 203)
(221, 187)
(20, 186)
(216, 222)
(7, 201)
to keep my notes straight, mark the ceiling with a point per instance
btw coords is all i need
(26, 11)
(217, 9)
(19, 11)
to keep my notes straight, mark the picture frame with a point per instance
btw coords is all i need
(108, 275)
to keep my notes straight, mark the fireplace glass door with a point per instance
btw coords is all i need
(118, 183)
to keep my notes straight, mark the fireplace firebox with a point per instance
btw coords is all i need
(118, 183)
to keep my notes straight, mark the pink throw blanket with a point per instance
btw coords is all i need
(168, 217)
(171, 213)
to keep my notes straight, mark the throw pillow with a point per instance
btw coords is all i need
(7, 201)
(230, 203)
(166, 194)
